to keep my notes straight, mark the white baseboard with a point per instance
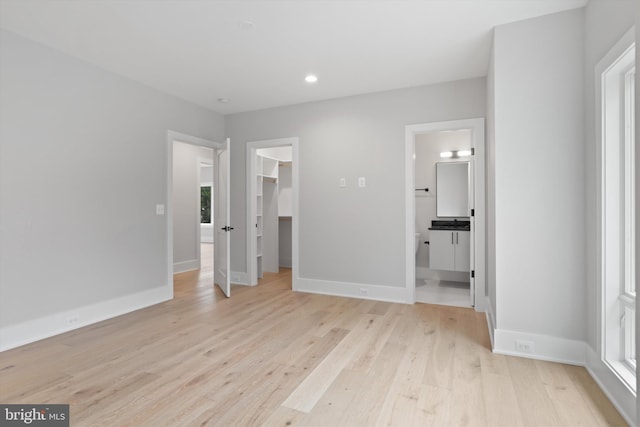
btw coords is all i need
(181, 267)
(491, 323)
(545, 347)
(44, 327)
(398, 294)
(620, 395)
(452, 276)
(240, 278)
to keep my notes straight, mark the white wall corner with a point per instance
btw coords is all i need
(623, 398)
(240, 278)
(491, 322)
(181, 267)
(44, 327)
(541, 347)
(398, 294)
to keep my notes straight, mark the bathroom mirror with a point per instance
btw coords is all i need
(452, 189)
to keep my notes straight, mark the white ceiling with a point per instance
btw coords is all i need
(202, 50)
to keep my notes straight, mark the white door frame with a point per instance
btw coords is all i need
(172, 137)
(252, 147)
(476, 126)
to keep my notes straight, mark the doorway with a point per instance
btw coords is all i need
(272, 207)
(458, 144)
(189, 158)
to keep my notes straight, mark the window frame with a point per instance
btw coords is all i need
(616, 83)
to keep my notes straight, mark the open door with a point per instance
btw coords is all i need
(221, 220)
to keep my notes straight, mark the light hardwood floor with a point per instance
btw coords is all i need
(268, 356)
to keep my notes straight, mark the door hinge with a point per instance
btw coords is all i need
(473, 212)
(473, 273)
(473, 151)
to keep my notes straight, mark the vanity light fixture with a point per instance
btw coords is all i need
(455, 154)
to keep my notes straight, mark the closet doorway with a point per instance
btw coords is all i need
(272, 207)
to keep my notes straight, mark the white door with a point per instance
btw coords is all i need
(221, 220)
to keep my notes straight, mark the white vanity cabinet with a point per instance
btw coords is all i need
(449, 250)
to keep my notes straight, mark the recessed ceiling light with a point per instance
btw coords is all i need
(223, 100)
(311, 78)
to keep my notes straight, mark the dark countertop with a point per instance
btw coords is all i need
(453, 225)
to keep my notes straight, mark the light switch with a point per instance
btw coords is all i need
(159, 209)
(362, 182)
(342, 183)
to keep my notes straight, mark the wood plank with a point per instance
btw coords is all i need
(203, 359)
(536, 407)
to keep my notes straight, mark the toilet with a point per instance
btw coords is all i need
(417, 243)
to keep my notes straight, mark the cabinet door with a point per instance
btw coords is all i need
(441, 250)
(462, 250)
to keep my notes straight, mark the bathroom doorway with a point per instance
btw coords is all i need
(445, 249)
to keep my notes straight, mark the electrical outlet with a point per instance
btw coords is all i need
(524, 346)
(73, 320)
(362, 182)
(364, 291)
(159, 209)
(342, 182)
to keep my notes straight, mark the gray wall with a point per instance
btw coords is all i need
(539, 176)
(83, 158)
(353, 234)
(186, 203)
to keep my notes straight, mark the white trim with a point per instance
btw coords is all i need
(399, 294)
(189, 265)
(172, 137)
(623, 398)
(545, 347)
(476, 126)
(44, 327)
(252, 146)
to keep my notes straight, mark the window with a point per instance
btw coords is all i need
(617, 219)
(205, 204)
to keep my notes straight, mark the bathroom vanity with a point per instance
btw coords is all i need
(449, 243)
